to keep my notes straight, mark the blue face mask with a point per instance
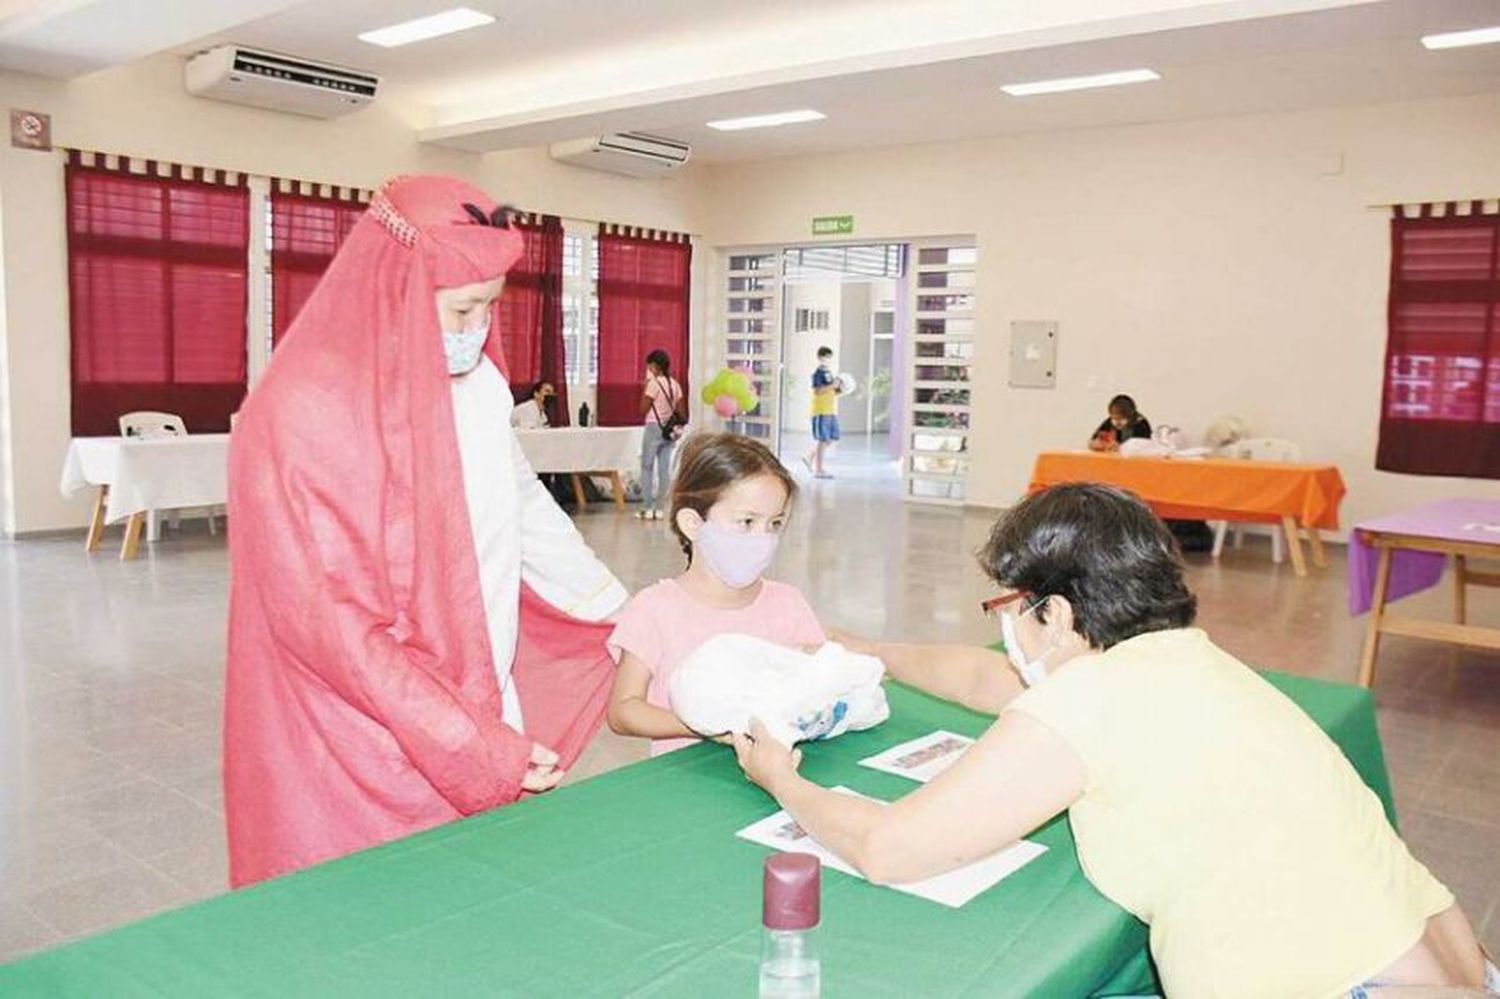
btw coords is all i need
(465, 347)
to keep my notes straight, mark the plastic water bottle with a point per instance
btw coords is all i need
(790, 912)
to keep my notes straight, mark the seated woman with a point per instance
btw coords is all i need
(532, 414)
(1123, 423)
(1201, 799)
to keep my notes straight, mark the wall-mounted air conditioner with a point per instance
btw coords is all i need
(280, 83)
(634, 154)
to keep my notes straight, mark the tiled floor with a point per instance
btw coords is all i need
(110, 681)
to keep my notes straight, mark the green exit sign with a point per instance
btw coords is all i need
(833, 225)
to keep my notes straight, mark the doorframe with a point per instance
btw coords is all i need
(773, 365)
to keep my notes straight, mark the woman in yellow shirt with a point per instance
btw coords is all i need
(1201, 799)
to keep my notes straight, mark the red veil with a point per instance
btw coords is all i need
(361, 702)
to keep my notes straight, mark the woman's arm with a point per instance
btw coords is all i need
(555, 560)
(965, 674)
(1015, 778)
(629, 711)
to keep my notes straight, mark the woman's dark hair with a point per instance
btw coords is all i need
(1102, 549)
(710, 464)
(662, 360)
(825, 351)
(539, 386)
(1125, 405)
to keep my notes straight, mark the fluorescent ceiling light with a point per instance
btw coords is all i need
(423, 28)
(767, 120)
(1080, 82)
(1458, 39)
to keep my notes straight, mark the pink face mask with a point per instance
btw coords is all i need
(737, 558)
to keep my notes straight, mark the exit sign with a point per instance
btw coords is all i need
(833, 225)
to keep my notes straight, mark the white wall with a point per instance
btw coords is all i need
(141, 110)
(1205, 267)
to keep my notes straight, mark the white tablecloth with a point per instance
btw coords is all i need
(582, 449)
(158, 473)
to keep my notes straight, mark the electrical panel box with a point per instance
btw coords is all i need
(1033, 353)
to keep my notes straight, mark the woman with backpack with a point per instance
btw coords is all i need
(664, 407)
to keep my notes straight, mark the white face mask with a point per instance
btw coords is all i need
(465, 347)
(1033, 671)
(737, 558)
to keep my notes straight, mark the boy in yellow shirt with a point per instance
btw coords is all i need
(825, 413)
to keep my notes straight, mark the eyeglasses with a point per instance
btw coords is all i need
(992, 606)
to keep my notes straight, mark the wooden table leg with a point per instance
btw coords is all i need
(1315, 542)
(1377, 611)
(1460, 589)
(96, 522)
(1294, 545)
(132, 542)
(618, 485)
(578, 490)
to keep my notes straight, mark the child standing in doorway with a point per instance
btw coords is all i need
(825, 413)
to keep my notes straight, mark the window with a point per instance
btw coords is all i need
(644, 288)
(581, 306)
(306, 230)
(158, 281)
(1441, 406)
(810, 320)
(936, 383)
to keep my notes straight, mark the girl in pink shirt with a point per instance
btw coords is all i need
(730, 501)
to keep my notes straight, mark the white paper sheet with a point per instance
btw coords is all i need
(953, 889)
(920, 759)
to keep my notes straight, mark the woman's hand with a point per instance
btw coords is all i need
(766, 762)
(542, 771)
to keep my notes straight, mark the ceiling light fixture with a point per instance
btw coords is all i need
(423, 28)
(1460, 39)
(767, 120)
(1081, 82)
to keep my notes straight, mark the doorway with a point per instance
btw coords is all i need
(844, 298)
(899, 316)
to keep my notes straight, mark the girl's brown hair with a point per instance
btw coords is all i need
(710, 464)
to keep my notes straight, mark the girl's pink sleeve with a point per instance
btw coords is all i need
(637, 633)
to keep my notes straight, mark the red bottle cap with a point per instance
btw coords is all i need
(792, 891)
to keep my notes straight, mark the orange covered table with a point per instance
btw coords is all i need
(1304, 497)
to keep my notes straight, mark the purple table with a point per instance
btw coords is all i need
(1413, 548)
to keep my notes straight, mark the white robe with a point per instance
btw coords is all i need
(519, 531)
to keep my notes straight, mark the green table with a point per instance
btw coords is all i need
(633, 883)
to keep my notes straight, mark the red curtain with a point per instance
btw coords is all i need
(531, 315)
(644, 284)
(306, 231)
(1440, 413)
(157, 282)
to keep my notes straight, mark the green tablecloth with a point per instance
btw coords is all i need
(633, 883)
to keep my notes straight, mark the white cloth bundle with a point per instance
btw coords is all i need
(1167, 442)
(730, 679)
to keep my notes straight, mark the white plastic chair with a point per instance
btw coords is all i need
(1258, 449)
(147, 423)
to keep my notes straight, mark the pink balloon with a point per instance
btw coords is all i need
(726, 406)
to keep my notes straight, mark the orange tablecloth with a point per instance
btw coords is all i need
(1208, 488)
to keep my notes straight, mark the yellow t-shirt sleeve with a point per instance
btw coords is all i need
(1082, 706)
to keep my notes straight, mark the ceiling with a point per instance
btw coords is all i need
(884, 71)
